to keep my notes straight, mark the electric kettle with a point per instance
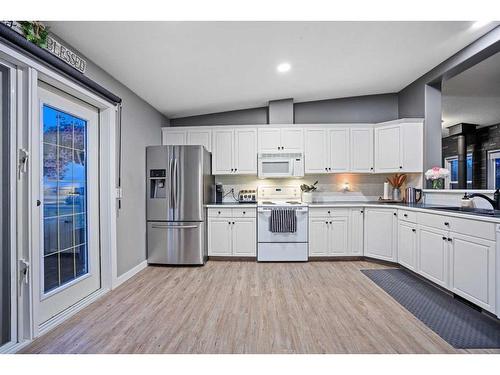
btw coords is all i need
(413, 195)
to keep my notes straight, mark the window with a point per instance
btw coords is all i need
(494, 169)
(64, 198)
(451, 163)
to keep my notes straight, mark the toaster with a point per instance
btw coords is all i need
(247, 196)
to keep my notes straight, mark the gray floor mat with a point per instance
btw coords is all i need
(460, 325)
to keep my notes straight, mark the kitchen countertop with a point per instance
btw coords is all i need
(483, 215)
(230, 205)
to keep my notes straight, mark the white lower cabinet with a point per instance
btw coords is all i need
(230, 235)
(219, 237)
(407, 245)
(472, 271)
(357, 230)
(381, 234)
(433, 255)
(330, 235)
(244, 237)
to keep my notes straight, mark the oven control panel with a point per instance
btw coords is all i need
(247, 196)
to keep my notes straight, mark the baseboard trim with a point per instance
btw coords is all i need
(335, 258)
(129, 274)
(70, 311)
(13, 348)
(235, 259)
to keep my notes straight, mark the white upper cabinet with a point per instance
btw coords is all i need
(269, 139)
(361, 149)
(316, 156)
(174, 136)
(201, 137)
(281, 140)
(292, 139)
(234, 151)
(412, 147)
(387, 149)
(339, 150)
(399, 148)
(222, 152)
(245, 151)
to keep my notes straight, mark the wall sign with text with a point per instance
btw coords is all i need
(66, 54)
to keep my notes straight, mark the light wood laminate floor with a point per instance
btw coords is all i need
(246, 307)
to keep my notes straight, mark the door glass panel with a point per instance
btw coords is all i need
(64, 198)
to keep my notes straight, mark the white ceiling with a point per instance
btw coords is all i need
(474, 95)
(189, 68)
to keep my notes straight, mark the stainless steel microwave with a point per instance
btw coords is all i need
(280, 165)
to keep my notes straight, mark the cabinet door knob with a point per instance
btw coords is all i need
(371, 168)
(394, 213)
(446, 223)
(233, 222)
(331, 222)
(244, 212)
(361, 211)
(444, 238)
(328, 211)
(400, 167)
(218, 212)
(405, 215)
(449, 239)
(326, 222)
(326, 169)
(229, 222)
(235, 169)
(413, 230)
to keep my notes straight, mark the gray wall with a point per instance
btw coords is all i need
(412, 97)
(370, 108)
(253, 116)
(141, 125)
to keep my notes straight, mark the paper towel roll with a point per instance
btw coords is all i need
(386, 190)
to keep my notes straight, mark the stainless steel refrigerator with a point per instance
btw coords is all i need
(179, 184)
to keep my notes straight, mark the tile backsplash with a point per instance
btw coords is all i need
(362, 187)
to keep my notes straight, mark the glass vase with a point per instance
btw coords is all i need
(438, 184)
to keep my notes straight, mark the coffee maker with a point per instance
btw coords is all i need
(219, 193)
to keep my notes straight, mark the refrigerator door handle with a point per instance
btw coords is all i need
(176, 183)
(173, 226)
(171, 193)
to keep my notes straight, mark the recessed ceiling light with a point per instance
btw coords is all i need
(284, 67)
(479, 24)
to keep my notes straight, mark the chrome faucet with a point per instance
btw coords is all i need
(495, 202)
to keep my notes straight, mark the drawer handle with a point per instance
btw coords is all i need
(173, 226)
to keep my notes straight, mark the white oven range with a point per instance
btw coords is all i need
(288, 246)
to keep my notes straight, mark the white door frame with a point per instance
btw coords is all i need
(12, 151)
(29, 71)
(490, 168)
